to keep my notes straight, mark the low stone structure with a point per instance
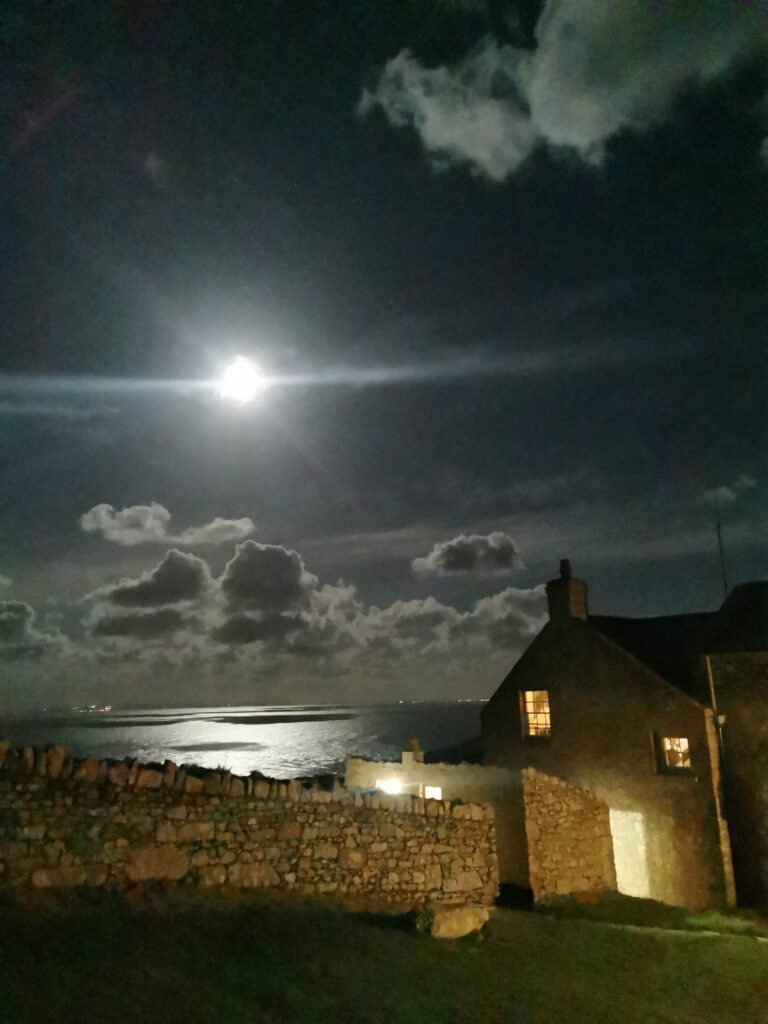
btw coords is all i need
(570, 848)
(66, 822)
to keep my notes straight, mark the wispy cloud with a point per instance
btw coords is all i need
(149, 524)
(728, 494)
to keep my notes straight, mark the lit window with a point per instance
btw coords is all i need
(391, 786)
(676, 752)
(433, 793)
(535, 708)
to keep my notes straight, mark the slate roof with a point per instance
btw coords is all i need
(672, 644)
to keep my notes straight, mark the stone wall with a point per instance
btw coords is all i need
(740, 684)
(569, 837)
(65, 822)
(470, 783)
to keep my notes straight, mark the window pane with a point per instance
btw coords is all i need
(433, 793)
(676, 752)
(536, 717)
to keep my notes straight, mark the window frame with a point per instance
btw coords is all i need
(660, 756)
(536, 737)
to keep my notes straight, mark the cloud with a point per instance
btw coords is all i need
(140, 625)
(6, 585)
(148, 524)
(493, 553)
(242, 628)
(598, 69)
(19, 635)
(179, 577)
(725, 495)
(473, 113)
(266, 577)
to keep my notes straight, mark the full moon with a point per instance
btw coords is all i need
(242, 381)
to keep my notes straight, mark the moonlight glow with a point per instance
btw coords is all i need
(242, 381)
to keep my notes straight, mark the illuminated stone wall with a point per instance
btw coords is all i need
(570, 849)
(470, 783)
(66, 822)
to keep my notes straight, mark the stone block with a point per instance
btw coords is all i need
(156, 862)
(289, 830)
(469, 880)
(193, 785)
(452, 922)
(166, 832)
(147, 778)
(352, 857)
(177, 812)
(326, 851)
(196, 831)
(249, 876)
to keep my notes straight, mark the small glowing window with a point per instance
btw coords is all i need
(535, 708)
(676, 752)
(392, 786)
(433, 793)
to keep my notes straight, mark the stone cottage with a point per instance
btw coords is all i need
(626, 753)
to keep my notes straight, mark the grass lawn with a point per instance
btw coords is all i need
(194, 959)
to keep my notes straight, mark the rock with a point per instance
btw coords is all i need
(59, 878)
(353, 858)
(193, 785)
(326, 851)
(57, 755)
(149, 779)
(469, 880)
(169, 774)
(156, 862)
(451, 922)
(165, 832)
(237, 788)
(289, 830)
(196, 831)
(117, 774)
(88, 770)
(4, 747)
(252, 875)
(212, 783)
(41, 763)
(177, 813)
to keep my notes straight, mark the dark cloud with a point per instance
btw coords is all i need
(495, 552)
(19, 636)
(140, 625)
(242, 628)
(266, 577)
(149, 524)
(597, 69)
(179, 577)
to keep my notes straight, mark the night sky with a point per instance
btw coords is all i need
(507, 263)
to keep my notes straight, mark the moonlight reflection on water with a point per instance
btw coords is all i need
(281, 742)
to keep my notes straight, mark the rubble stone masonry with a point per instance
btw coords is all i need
(570, 849)
(67, 822)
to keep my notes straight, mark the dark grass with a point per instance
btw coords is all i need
(613, 907)
(177, 958)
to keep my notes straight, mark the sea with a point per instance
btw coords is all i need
(280, 742)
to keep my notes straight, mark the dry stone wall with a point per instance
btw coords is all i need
(570, 848)
(66, 822)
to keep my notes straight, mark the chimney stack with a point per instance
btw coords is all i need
(566, 596)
